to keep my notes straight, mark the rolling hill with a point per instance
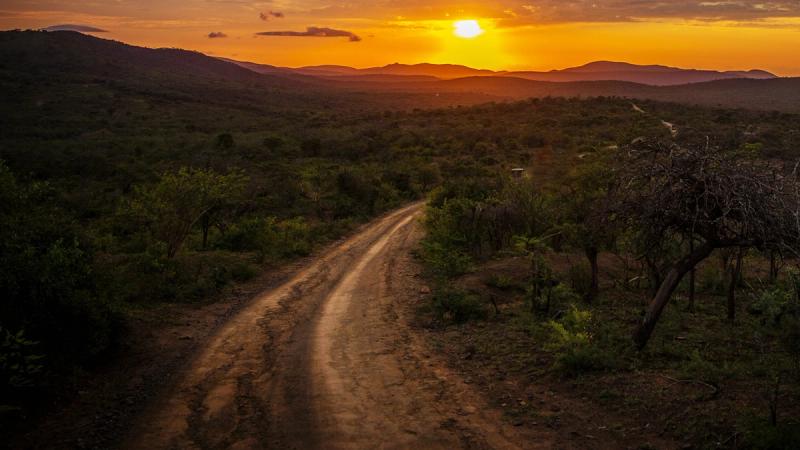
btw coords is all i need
(654, 75)
(49, 67)
(651, 75)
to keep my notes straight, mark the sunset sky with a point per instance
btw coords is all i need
(516, 34)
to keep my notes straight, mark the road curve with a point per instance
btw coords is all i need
(328, 361)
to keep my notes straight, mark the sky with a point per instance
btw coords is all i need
(515, 34)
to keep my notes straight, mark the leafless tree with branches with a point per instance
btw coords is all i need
(722, 199)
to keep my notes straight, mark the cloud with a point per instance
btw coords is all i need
(548, 11)
(271, 15)
(217, 35)
(314, 32)
(73, 27)
(533, 12)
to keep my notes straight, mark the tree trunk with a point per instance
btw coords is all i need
(735, 271)
(773, 267)
(594, 286)
(654, 273)
(692, 272)
(662, 297)
(205, 224)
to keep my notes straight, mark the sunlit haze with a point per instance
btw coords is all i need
(513, 34)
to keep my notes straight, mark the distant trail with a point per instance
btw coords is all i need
(329, 361)
(673, 130)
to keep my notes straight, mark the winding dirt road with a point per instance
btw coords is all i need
(328, 361)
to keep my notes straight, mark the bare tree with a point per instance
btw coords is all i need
(719, 198)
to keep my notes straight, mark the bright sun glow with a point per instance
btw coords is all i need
(467, 29)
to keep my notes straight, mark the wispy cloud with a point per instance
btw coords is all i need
(271, 15)
(75, 27)
(217, 35)
(314, 32)
(528, 12)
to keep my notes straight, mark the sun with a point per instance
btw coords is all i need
(467, 29)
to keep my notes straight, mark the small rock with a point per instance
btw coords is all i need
(424, 290)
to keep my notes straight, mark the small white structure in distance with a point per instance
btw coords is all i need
(517, 172)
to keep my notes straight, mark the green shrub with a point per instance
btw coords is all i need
(698, 368)
(20, 361)
(573, 346)
(580, 278)
(446, 262)
(190, 276)
(457, 306)
(711, 279)
(552, 297)
(761, 435)
(770, 303)
(295, 238)
(47, 280)
(269, 238)
(243, 272)
(501, 282)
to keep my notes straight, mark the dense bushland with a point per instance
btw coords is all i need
(582, 252)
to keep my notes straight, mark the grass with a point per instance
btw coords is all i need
(692, 386)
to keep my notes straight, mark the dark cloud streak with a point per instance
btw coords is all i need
(217, 35)
(73, 27)
(271, 15)
(314, 32)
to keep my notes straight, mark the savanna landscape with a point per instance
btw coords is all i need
(248, 237)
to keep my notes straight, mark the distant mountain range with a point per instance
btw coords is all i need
(596, 71)
(76, 60)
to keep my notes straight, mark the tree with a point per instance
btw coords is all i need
(723, 199)
(171, 208)
(582, 203)
(47, 284)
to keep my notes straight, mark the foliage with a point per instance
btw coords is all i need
(501, 282)
(46, 279)
(571, 341)
(173, 206)
(445, 262)
(20, 364)
(451, 304)
(762, 435)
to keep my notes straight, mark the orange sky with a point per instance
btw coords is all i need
(519, 34)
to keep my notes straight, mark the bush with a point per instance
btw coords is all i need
(47, 282)
(20, 366)
(580, 278)
(455, 305)
(698, 368)
(761, 435)
(770, 304)
(242, 272)
(270, 239)
(711, 279)
(552, 297)
(190, 276)
(571, 342)
(501, 282)
(445, 262)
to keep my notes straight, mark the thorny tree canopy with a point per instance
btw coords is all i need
(723, 197)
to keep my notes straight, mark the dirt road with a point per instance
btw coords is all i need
(328, 360)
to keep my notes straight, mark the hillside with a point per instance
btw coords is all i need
(751, 90)
(655, 75)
